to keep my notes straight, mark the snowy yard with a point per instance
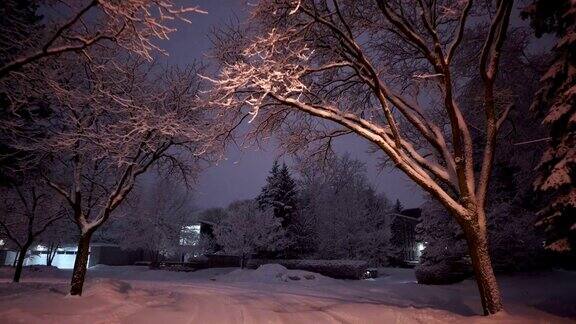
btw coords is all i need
(272, 295)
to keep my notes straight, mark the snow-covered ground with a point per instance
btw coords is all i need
(274, 295)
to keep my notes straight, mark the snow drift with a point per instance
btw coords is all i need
(273, 273)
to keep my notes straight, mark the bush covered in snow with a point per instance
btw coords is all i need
(446, 271)
(339, 269)
(273, 273)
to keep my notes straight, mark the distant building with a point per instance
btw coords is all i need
(107, 254)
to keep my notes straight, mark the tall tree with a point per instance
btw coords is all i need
(20, 29)
(31, 44)
(556, 103)
(368, 66)
(514, 245)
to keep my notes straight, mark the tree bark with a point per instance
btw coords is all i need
(52, 251)
(80, 265)
(16, 259)
(477, 240)
(20, 263)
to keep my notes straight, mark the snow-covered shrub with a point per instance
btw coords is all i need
(273, 273)
(446, 271)
(338, 269)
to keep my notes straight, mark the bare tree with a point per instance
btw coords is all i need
(247, 230)
(382, 70)
(340, 216)
(72, 26)
(63, 232)
(154, 221)
(111, 121)
(27, 211)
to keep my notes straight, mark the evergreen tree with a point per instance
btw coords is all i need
(398, 206)
(279, 194)
(556, 102)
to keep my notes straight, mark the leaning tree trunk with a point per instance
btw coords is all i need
(80, 264)
(20, 263)
(477, 240)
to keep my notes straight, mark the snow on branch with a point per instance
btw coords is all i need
(73, 26)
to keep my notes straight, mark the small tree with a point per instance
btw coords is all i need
(153, 221)
(398, 206)
(247, 230)
(27, 211)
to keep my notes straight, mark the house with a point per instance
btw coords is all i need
(100, 253)
(104, 253)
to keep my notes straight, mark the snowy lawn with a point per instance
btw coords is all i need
(274, 295)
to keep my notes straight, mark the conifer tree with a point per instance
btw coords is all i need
(279, 194)
(556, 103)
(398, 206)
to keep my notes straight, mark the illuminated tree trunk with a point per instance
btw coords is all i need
(477, 240)
(80, 264)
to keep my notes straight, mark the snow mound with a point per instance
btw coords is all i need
(109, 289)
(41, 269)
(273, 273)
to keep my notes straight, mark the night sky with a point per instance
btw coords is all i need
(244, 171)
